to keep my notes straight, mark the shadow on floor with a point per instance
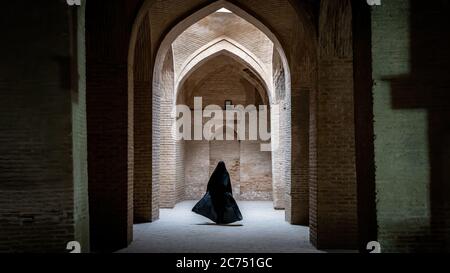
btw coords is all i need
(222, 225)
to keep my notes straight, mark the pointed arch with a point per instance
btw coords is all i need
(231, 48)
(203, 12)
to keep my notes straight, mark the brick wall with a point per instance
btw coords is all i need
(219, 25)
(411, 64)
(180, 170)
(229, 152)
(142, 127)
(334, 220)
(168, 148)
(42, 176)
(118, 121)
(118, 18)
(299, 45)
(281, 157)
(249, 168)
(111, 60)
(108, 28)
(255, 172)
(364, 137)
(79, 133)
(219, 79)
(302, 59)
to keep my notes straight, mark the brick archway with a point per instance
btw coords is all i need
(225, 45)
(165, 93)
(87, 175)
(310, 81)
(134, 193)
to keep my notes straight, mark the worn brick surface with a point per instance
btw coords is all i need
(42, 135)
(411, 117)
(134, 165)
(333, 219)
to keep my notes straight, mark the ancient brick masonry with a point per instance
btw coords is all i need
(333, 178)
(43, 134)
(85, 143)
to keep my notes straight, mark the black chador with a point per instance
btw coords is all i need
(218, 203)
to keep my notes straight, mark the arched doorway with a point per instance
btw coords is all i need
(134, 183)
(140, 195)
(257, 49)
(216, 81)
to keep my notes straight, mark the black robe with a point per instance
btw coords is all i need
(218, 203)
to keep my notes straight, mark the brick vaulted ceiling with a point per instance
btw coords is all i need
(222, 32)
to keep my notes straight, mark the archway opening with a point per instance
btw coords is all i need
(126, 181)
(218, 81)
(223, 55)
(233, 42)
(221, 30)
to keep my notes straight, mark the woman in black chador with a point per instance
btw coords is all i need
(218, 203)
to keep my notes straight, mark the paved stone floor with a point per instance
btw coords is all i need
(182, 231)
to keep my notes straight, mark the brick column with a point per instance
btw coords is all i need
(107, 98)
(333, 202)
(142, 126)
